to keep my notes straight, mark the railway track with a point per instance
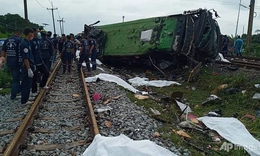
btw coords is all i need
(243, 62)
(60, 121)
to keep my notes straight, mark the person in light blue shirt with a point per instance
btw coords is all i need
(238, 46)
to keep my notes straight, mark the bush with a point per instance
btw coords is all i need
(5, 78)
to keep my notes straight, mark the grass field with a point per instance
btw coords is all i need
(195, 93)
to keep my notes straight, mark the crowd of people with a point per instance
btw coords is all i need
(30, 58)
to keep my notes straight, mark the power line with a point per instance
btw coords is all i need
(52, 9)
(59, 14)
(214, 1)
(40, 4)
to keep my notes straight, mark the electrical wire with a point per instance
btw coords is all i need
(40, 4)
(214, 1)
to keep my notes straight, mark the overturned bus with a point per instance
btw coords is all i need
(187, 38)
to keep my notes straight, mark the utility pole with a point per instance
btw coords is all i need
(250, 23)
(26, 13)
(238, 18)
(61, 26)
(53, 16)
(243, 29)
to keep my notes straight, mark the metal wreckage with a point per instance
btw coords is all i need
(189, 38)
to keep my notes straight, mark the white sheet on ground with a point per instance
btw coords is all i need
(138, 81)
(234, 131)
(222, 58)
(111, 78)
(122, 145)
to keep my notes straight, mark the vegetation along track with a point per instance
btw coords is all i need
(243, 61)
(60, 121)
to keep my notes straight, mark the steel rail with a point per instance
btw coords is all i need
(241, 64)
(89, 106)
(14, 146)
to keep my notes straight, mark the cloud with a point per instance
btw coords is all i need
(76, 13)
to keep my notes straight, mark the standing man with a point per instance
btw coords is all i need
(61, 42)
(72, 39)
(55, 45)
(38, 61)
(84, 52)
(92, 53)
(10, 50)
(66, 54)
(47, 51)
(27, 66)
(238, 46)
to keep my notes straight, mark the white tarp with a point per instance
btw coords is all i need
(234, 131)
(111, 78)
(123, 146)
(138, 81)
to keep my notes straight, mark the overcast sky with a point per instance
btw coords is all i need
(76, 13)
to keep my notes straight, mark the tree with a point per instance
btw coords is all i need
(10, 22)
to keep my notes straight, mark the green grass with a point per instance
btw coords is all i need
(5, 81)
(236, 103)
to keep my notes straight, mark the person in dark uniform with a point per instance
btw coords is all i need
(10, 50)
(47, 51)
(66, 54)
(75, 46)
(61, 42)
(39, 63)
(27, 66)
(49, 33)
(84, 52)
(92, 53)
(55, 45)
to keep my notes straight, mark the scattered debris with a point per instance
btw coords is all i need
(232, 90)
(156, 134)
(257, 85)
(116, 97)
(257, 113)
(155, 112)
(193, 88)
(232, 68)
(243, 92)
(106, 101)
(194, 72)
(185, 108)
(191, 117)
(212, 97)
(215, 113)
(177, 95)
(108, 124)
(103, 109)
(214, 136)
(75, 95)
(96, 96)
(181, 133)
(248, 116)
(185, 124)
(219, 88)
(256, 96)
(141, 97)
